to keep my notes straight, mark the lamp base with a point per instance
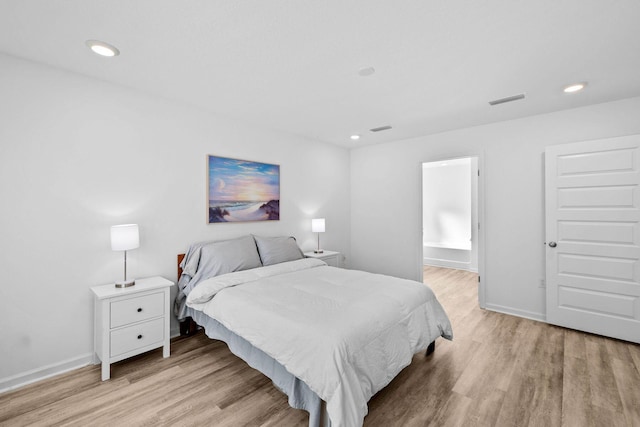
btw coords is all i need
(318, 251)
(125, 283)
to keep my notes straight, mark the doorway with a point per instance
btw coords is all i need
(451, 216)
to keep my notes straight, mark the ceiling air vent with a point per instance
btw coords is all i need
(380, 129)
(507, 99)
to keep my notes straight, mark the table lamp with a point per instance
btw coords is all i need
(317, 226)
(123, 238)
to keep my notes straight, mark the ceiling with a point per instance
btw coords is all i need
(292, 65)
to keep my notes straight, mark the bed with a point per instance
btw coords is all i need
(329, 338)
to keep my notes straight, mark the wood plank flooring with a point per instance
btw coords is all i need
(498, 371)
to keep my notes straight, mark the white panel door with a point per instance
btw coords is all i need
(593, 236)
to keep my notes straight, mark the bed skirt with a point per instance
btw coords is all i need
(299, 393)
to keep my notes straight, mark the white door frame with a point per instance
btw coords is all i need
(481, 221)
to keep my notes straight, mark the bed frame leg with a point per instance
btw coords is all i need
(188, 327)
(431, 348)
(324, 415)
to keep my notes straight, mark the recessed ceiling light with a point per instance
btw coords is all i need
(366, 71)
(102, 48)
(575, 87)
(355, 137)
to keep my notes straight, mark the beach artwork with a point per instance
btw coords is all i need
(241, 190)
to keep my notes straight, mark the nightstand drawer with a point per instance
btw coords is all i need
(332, 258)
(137, 336)
(138, 309)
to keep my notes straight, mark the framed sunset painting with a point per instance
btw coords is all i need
(242, 190)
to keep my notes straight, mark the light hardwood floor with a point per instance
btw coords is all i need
(498, 371)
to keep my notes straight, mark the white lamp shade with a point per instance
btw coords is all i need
(317, 225)
(124, 237)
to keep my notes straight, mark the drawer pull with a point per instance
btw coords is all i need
(139, 310)
(139, 337)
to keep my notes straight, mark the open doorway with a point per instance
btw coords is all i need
(451, 240)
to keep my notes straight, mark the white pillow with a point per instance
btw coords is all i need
(274, 250)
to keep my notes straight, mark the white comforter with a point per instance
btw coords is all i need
(345, 333)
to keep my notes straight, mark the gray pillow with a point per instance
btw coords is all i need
(228, 256)
(274, 250)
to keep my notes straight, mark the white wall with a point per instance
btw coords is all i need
(446, 203)
(386, 207)
(78, 155)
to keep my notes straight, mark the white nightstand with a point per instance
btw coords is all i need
(330, 257)
(130, 321)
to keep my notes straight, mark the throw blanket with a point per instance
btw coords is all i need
(345, 333)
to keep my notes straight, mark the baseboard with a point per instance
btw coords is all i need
(19, 380)
(458, 265)
(540, 317)
(45, 372)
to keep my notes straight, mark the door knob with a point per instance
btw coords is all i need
(552, 244)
